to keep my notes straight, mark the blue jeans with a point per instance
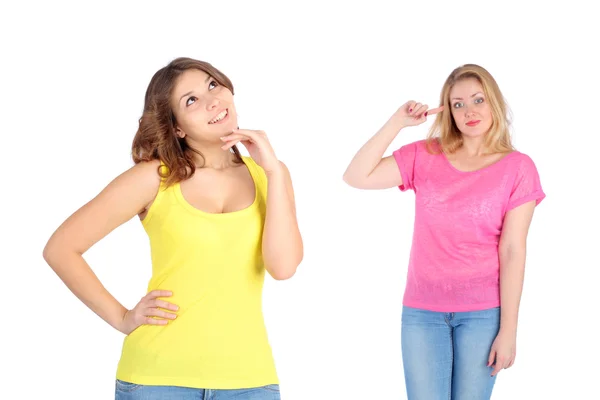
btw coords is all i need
(132, 391)
(445, 355)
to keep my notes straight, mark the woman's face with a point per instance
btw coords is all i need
(470, 109)
(204, 110)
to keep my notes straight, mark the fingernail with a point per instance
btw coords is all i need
(425, 113)
(410, 110)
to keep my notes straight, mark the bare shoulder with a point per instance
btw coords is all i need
(285, 172)
(285, 168)
(288, 181)
(145, 173)
(124, 197)
(144, 178)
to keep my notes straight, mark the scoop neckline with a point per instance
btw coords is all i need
(197, 211)
(480, 169)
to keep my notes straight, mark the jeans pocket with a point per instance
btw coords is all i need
(126, 387)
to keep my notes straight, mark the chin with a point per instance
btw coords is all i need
(473, 135)
(476, 133)
(225, 128)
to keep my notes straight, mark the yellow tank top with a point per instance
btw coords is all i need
(213, 265)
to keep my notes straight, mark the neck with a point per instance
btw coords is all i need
(474, 147)
(213, 156)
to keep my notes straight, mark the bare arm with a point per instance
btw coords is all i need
(512, 251)
(368, 170)
(122, 199)
(282, 247)
(282, 243)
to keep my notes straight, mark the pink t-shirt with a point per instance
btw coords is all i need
(454, 263)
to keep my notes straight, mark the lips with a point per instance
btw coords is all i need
(473, 123)
(221, 116)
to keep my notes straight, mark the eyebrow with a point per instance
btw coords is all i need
(460, 98)
(190, 92)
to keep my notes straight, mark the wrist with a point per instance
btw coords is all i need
(119, 324)
(397, 121)
(276, 171)
(508, 328)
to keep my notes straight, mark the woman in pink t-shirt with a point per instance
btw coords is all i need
(474, 201)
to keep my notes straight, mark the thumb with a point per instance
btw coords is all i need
(491, 358)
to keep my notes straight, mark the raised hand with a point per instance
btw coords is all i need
(258, 146)
(413, 113)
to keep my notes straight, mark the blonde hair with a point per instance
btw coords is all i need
(444, 130)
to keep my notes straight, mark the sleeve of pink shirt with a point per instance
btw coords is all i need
(405, 157)
(527, 186)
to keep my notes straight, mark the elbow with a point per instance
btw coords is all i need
(282, 263)
(346, 179)
(283, 272)
(509, 247)
(512, 253)
(283, 275)
(55, 251)
(350, 181)
(49, 252)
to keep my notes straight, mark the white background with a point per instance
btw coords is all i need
(320, 80)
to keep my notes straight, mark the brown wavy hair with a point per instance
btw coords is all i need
(155, 138)
(444, 130)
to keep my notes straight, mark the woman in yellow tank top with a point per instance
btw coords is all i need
(216, 221)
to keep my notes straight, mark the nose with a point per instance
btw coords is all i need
(468, 112)
(212, 103)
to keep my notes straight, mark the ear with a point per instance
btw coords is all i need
(179, 133)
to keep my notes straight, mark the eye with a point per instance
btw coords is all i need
(479, 100)
(187, 102)
(213, 84)
(458, 104)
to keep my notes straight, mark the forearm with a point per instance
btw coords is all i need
(282, 243)
(77, 275)
(512, 273)
(371, 153)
